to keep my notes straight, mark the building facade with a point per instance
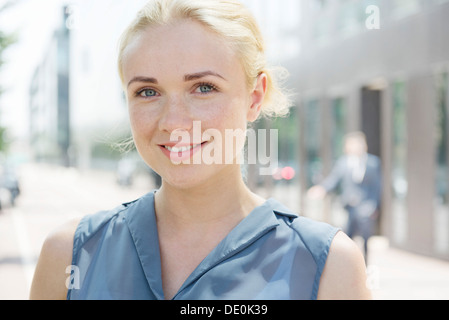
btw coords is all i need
(77, 106)
(49, 103)
(381, 67)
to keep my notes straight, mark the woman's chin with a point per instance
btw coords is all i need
(192, 176)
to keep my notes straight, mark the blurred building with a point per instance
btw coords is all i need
(381, 66)
(100, 115)
(50, 101)
(279, 23)
(77, 107)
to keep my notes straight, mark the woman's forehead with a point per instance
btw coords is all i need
(185, 46)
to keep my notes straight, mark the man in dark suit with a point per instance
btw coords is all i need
(359, 175)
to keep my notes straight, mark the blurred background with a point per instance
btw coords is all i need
(377, 66)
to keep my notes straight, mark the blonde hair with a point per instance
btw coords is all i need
(231, 20)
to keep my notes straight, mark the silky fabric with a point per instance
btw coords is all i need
(272, 254)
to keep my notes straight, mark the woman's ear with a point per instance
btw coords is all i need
(257, 97)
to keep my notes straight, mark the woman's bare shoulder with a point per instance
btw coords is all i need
(344, 275)
(50, 276)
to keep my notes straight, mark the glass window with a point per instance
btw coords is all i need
(286, 176)
(313, 143)
(442, 140)
(319, 14)
(322, 28)
(399, 142)
(399, 162)
(442, 164)
(339, 127)
(405, 8)
(350, 17)
(288, 134)
(318, 4)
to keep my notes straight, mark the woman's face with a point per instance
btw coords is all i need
(186, 91)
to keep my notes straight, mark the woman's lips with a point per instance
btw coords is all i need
(181, 149)
(178, 153)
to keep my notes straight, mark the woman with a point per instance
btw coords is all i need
(203, 234)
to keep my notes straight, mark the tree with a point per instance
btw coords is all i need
(5, 41)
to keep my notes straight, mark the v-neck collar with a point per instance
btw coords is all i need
(141, 220)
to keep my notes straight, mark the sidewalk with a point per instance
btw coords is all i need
(49, 197)
(52, 195)
(399, 275)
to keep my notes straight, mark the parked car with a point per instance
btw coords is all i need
(9, 181)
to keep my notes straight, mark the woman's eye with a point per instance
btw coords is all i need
(205, 88)
(147, 93)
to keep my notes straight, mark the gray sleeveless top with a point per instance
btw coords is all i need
(271, 254)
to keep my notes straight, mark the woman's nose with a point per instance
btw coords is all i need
(175, 115)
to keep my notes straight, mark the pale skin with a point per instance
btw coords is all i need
(174, 75)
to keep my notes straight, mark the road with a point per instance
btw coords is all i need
(52, 195)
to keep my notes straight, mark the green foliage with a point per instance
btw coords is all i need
(5, 42)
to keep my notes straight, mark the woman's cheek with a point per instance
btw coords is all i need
(140, 118)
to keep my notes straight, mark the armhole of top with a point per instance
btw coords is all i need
(75, 248)
(77, 239)
(317, 237)
(321, 261)
(88, 226)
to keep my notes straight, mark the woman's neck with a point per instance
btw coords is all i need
(218, 200)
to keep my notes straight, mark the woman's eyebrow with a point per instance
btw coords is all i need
(142, 79)
(187, 77)
(199, 75)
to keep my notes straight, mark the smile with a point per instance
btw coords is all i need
(182, 154)
(182, 149)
